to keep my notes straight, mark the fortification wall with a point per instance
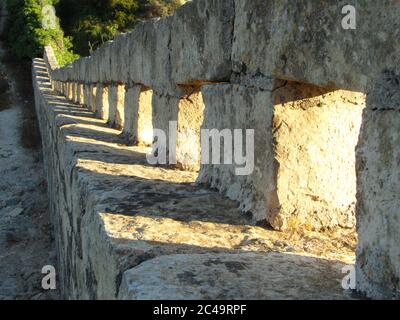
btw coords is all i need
(285, 71)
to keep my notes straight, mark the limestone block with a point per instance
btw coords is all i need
(120, 107)
(190, 119)
(201, 41)
(57, 75)
(83, 66)
(149, 54)
(76, 69)
(92, 97)
(66, 73)
(80, 99)
(75, 93)
(378, 175)
(104, 55)
(144, 124)
(138, 127)
(237, 107)
(165, 109)
(297, 181)
(233, 276)
(119, 52)
(87, 95)
(315, 134)
(68, 92)
(130, 112)
(305, 41)
(116, 102)
(135, 62)
(94, 75)
(102, 104)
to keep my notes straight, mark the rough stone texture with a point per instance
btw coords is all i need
(248, 42)
(245, 276)
(119, 59)
(50, 59)
(132, 96)
(297, 180)
(112, 211)
(315, 133)
(190, 119)
(80, 95)
(104, 56)
(144, 125)
(238, 107)
(165, 109)
(304, 41)
(116, 103)
(75, 92)
(92, 97)
(102, 106)
(378, 174)
(149, 56)
(201, 41)
(196, 40)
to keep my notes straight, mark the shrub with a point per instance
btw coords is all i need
(27, 36)
(93, 22)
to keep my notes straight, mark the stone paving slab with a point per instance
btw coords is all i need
(245, 276)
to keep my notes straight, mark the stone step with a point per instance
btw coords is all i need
(243, 276)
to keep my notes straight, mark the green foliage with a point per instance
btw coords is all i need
(27, 35)
(93, 22)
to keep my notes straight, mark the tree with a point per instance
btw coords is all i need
(27, 34)
(93, 22)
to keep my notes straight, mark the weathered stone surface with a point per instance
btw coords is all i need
(119, 59)
(50, 60)
(245, 276)
(149, 55)
(84, 69)
(138, 127)
(304, 41)
(102, 102)
(378, 175)
(116, 103)
(201, 41)
(104, 62)
(297, 180)
(94, 75)
(92, 97)
(164, 110)
(190, 119)
(315, 132)
(132, 96)
(237, 107)
(80, 98)
(112, 211)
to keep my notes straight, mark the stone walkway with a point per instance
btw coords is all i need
(163, 234)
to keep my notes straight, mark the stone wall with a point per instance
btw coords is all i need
(283, 70)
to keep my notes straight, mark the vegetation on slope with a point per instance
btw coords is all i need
(93, 22)
(88, 24)
(28, 34)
